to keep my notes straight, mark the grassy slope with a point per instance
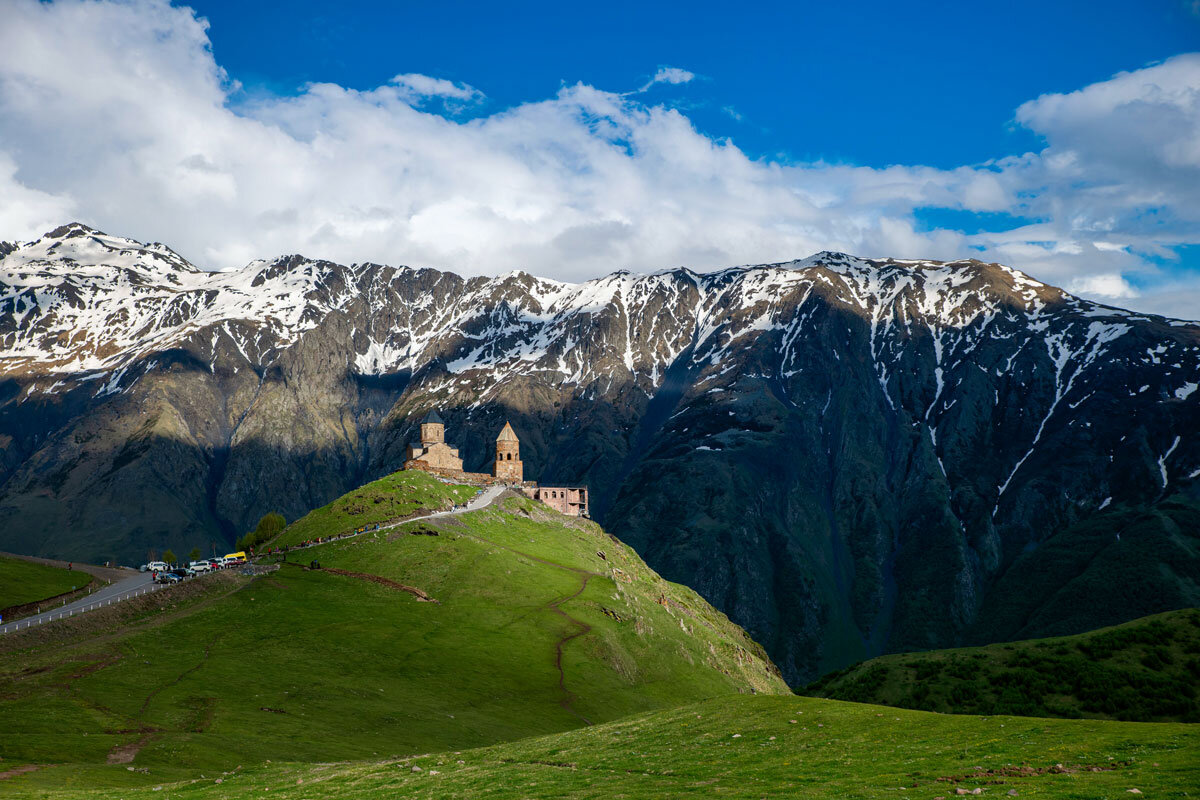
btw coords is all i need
(392, 497)
(306, 665)
(1147, 670)
(831, 750)
(26, 582)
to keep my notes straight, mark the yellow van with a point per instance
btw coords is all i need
(235, 558)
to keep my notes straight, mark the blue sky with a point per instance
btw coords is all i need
(944, 77)
(1062, 138)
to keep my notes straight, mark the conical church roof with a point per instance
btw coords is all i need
(507, 434)
(433, 416)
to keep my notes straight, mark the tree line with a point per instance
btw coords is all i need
(267, 528)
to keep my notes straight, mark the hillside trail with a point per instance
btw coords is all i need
(567, 701)
(481, 500)
(581, 628)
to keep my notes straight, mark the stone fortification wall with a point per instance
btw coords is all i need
(458, 475)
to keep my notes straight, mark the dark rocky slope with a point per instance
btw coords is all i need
(848, 456)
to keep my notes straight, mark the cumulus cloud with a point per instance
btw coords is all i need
(117, 113)
(1111, 286)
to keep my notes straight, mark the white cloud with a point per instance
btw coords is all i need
(672, 75)
(420, 87)
(117, 113)
(1110, 285)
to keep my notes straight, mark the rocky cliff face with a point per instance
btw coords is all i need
(848, 456)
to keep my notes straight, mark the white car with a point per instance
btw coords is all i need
(155, 566)
(200, 566)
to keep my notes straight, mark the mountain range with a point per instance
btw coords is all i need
(848, 456)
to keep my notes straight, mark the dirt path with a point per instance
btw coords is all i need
(15, 771)
(203, 660)
(555, 606)
(126, 753)
(568, 698)
(382, 581)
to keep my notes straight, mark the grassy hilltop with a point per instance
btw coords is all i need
(444, 634)
(1147, 670)
(389, 499)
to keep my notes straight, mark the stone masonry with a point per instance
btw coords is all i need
(435, 456)
(433, 450)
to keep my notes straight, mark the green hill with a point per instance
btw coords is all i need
(740, 747)
(437, 635)
(24, 581)
(1145, 670)
(389, 499)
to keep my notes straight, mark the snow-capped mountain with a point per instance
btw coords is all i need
(847, 455)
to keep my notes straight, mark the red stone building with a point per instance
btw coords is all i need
(572, 501)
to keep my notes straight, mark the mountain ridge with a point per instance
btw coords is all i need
(844, 454)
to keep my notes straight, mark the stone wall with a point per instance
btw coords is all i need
(458, 475)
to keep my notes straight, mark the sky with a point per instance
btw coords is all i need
(1062, 138)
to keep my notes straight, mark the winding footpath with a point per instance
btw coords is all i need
(481, 500)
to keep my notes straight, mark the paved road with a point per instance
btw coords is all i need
(142, 581)
(480, 500)
(133, 582)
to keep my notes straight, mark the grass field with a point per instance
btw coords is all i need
(540, 624)
(1146, 670)
(27, 582)
(505, 653)
(752, 747)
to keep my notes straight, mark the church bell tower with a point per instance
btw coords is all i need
(508, 464)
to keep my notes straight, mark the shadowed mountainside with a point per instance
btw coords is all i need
(848, 456)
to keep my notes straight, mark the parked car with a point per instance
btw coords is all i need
(155, 566)
(167, 577)
(200, 566)
(183, 572)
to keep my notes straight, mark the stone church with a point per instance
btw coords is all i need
(432, 454)
(433, 451)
